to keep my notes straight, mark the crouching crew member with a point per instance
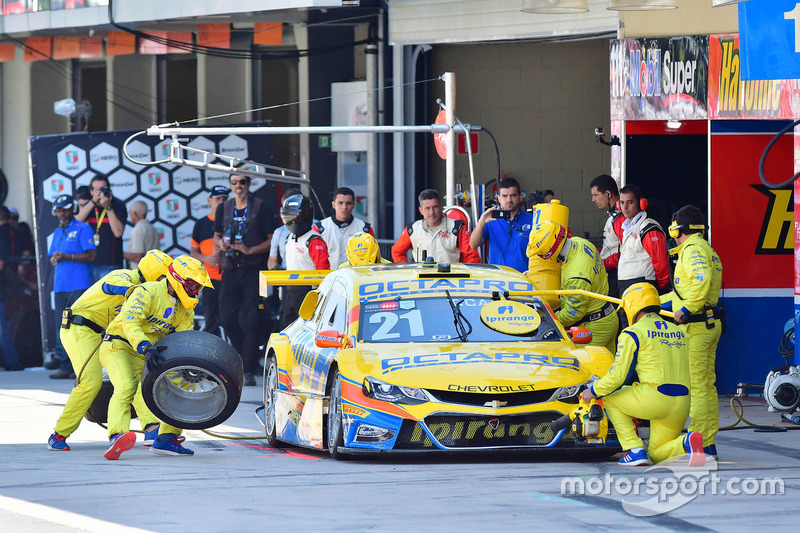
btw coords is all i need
(582, 269)
(82, 328)
(658, 352)
(152, 311)
(698, 279)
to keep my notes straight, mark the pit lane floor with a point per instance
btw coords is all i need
(244, 485)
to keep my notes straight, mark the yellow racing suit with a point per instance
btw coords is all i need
(91, 314)
(147, 315)
(583, 269)
(698, 279)
(658, 352)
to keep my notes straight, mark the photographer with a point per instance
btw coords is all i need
(506, 227)
(106, 217)
(243, 227)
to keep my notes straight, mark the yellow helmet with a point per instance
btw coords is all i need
(188, 276)
(154, 264)
(637, 297)
(546, 240)
(362, 249)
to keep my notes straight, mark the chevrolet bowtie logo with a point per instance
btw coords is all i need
(495, 404)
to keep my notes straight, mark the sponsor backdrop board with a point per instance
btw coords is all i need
(175, 195)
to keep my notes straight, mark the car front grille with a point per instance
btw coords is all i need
(483, 399)
(478, 431)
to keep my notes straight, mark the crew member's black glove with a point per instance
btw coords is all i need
(152, 356)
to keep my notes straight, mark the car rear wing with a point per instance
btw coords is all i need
(271, 278)
(567, 292)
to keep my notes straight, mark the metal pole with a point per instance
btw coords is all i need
(449, 79)
(372, 138)
(398, 181)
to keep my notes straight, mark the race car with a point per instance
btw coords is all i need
(424, 357)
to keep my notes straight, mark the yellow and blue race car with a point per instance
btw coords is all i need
(424, 357)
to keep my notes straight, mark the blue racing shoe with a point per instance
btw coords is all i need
(121, 442)
(57, 443)
(711, 451)
(151, 434)
(168, 444)
(634, 459)
(693, 444)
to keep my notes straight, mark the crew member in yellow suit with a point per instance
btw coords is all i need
(362, 249)
(81, 332)
(583, 269)
(698, 279)
(152, 310)
(658, 351)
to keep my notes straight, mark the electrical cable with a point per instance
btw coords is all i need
(764, 159)
(739, 412)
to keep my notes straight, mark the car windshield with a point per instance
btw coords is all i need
(431, 320)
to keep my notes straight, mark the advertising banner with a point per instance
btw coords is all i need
(730, 97)
(176, 196)
(659, 79)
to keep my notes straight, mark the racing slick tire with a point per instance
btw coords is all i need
(270, 395)
(196, 384)
(335, 427)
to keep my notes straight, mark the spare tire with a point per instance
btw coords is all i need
(198, 382)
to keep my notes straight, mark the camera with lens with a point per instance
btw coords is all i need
(106, 191)
(227, 241)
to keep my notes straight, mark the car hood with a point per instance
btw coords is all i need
(472, 367)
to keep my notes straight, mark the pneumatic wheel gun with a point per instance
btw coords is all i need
(588, 421)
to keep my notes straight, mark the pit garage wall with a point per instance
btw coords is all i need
(751, 230)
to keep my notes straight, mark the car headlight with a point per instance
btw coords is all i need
(573, 390)
(380, 390)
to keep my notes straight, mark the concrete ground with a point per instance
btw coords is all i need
(244, 485)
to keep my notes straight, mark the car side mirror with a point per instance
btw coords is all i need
(329, 339)
(306, 310)
(579, 335)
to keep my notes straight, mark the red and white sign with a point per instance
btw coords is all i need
(440, 139)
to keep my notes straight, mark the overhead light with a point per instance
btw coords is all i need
(641, 5)
(555, 6)
(720, 3)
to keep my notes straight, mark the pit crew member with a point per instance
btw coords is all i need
(444, 239)
(82, 328)
(698, 279)
(305, 250)
(342, 225)
(582, 269)
(605, 195)
(658, 352)
(643, 250)
(153, 310)
(508, 237)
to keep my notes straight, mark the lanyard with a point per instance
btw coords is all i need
(100, 220)
(241, 220)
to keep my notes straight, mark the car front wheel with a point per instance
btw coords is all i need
(335, 429)
(270, 400)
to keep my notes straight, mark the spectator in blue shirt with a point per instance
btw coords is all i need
(72, 251)
(506, 228)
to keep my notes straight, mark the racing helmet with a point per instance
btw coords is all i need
(639, 297)
(297, 214)
(546, 240)
(154, 264)
(362, 249)
(188, 276)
